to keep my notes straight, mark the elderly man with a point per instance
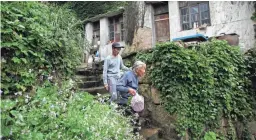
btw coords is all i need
(111, 70)
(128, 84)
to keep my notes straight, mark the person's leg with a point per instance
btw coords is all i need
(112, 88)
(124, 98)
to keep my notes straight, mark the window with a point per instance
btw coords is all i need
(96, 32)
(161, 18)
(194, 14)
(116, 29)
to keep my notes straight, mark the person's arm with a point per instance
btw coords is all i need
(122, 66)
(123, 85)
(105, 72)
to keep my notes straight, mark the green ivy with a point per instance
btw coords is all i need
(37, 39)
(201, 85)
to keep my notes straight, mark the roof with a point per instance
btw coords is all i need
(155, 2)
(196, 37)
(108, 14)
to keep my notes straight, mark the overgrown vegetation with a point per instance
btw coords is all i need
(250, 59)
(60, 113)
(201, 86)
(88, 9)
(37, 40)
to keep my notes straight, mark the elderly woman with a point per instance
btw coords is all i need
(128, 84)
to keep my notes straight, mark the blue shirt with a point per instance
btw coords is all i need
(128, 80)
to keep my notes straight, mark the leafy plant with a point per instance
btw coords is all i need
(210, 136)
(37, 40)
(60, 113)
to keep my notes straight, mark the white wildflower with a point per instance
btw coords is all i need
(3, 60)
(50, 77)
(44, 99)
(11, 132)
(27, 96)
(136, 115)
(52, 106)
(93, 128)
(18, 93)
(97, 134)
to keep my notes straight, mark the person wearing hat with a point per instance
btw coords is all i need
(111, 70)
(128, 84)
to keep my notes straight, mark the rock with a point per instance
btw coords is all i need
(145, 79)
(252, 128)
(155, 95)
(150, 133)
(144, 90)
(164, 120)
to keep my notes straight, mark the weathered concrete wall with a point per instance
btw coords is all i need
(89, 32)
(104, 31)
(88, 35)
(105, 49)
(226, 17)
(142, 41)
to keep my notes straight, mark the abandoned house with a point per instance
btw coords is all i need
(158, 21)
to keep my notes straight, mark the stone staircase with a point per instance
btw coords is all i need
(89, 79)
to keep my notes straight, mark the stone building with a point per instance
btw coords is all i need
(163, 21)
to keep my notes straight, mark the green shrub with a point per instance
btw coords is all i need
(37, 39)
(59, 113)
(201, 85)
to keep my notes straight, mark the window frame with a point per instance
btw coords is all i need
(188, 5)
(113, 23)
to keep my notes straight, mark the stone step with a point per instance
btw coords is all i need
(81, 78)
(82, 66)
(150, 133)
(97, 66)
(90, 84)
(89, 72)
(95, 90)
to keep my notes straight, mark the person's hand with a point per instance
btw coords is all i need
(131, 91)
(106, 87)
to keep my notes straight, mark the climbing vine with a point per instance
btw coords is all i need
(201, 85)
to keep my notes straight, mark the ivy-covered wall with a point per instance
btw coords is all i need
(206, 87)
